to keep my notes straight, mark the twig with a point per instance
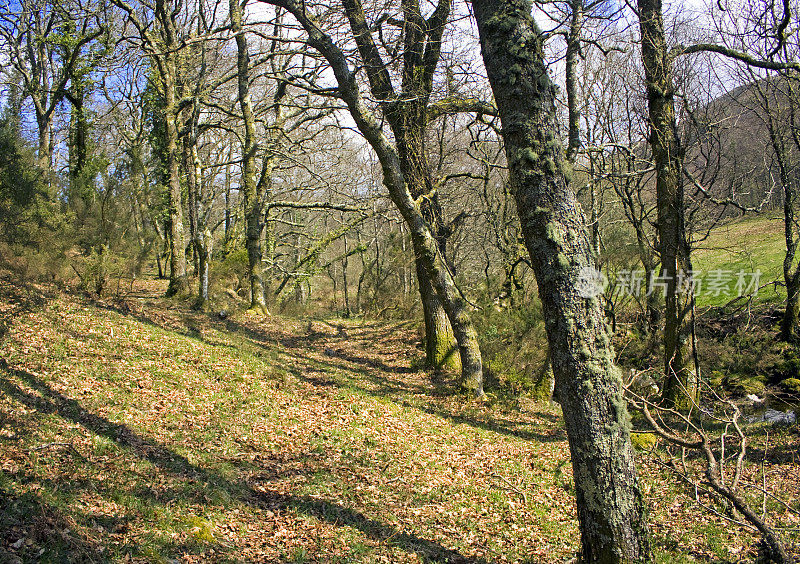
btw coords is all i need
(772, 496)
(698, 488)
(512, 487)
(69, 446)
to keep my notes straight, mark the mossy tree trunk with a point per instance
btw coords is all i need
(178, 281)
(441, 348)
(192, 203)
(253, 207)
(610, 506)
(681, 386)
(408, 121)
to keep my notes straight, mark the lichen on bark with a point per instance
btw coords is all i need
(588, 385)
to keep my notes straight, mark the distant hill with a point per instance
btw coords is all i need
(730, 147)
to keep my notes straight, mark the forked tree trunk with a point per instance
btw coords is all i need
(589, 387)
(426, 249)
(408, 124)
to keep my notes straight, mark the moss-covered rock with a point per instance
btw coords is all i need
(791, 385)
(643, 441)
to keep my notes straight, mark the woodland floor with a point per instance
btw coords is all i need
(137, 430)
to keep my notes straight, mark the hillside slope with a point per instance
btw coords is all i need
(137, 430)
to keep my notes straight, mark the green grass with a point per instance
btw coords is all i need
(163, 435)
(744, 245)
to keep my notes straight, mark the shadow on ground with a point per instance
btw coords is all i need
(46, 400)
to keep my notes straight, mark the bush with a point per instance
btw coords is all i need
(514, 347)
(743, 384)
(643, 441)
(230, 272)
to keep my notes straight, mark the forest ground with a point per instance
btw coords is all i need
(137, 430)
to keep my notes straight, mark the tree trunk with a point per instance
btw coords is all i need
(252, 204)
(427, 252)
(347, 312)
(193, 205)
(571, 60)
(408, 122)
(228, 215)
(681, 387)
(44, 153)
(588, 385)
(202, 240)
(441, 348)
(177, 246)
(791, 272)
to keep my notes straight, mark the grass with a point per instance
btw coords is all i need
(137, 430)
(753, 244)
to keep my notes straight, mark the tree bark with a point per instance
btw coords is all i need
(252, 205)
(571, 60)
(681, 386)
(178, 282)
(192, 202)
(441, 348)
(610, 506)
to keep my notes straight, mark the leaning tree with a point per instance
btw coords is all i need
(610, 505)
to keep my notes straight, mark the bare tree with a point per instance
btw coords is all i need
(404, 161)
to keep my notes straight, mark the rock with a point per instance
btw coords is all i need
(753, 399)
(774, 417)
(643, 384)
